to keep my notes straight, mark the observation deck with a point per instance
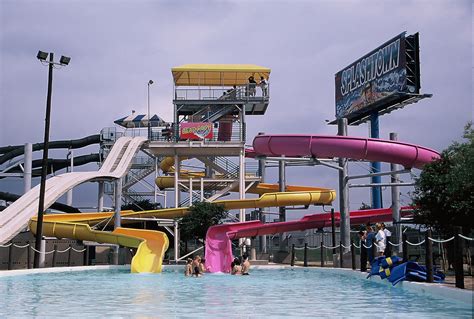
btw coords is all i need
(210, 103)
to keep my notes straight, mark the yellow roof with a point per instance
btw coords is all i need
(217, 74)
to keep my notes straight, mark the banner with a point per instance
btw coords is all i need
(366, 83)
(195, 131)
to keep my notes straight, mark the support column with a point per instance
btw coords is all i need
(397, 236)
(118, 203)
(282, 188)
(375, 166)
(176, 241)
(27, 167)
(176, 177)
(100, 200)
(71, 169)
(261, 171)
(190, 192)
(241, 188)
(344, 190)
(117, 217)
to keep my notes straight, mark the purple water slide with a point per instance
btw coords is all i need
(359, 148)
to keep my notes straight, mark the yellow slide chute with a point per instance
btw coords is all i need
(151, 245)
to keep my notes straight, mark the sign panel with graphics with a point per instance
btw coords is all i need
(371, 82)
(195, 131)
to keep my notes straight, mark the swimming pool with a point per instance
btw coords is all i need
(271, 293)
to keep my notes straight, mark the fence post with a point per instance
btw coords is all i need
(10, 253)
(428, 256)
(85, 256)
(54, 255)
(363, 257)
(292, 263)
(333, 231)
(322, 254)
(341, 255)
(28, 256)
(353, 255)
(458, 259)
(305, 260)
(69, 256)
(405, 248)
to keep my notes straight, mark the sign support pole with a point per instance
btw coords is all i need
(375, 166)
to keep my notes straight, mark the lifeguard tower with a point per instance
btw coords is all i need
(211, 102)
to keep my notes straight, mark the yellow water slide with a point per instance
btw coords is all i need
(151, 245)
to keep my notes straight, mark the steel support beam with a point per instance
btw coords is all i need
(344, 190)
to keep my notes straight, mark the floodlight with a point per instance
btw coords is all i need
(42, 56)
(64, 60)
(150, 82)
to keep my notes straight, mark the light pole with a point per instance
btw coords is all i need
(39, 226)
(149, 120)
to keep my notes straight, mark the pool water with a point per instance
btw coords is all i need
(270, 293)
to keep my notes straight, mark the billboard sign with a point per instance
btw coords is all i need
(195, 131)
(369, 82)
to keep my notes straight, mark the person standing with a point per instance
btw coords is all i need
(369, 241)
(363, 251)
(380, 239)
(252, 86)
(388, 246)
(264, 86)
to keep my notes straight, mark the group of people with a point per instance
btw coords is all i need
(263, 84)
(377, 238)
(195, 267)
(240, 265)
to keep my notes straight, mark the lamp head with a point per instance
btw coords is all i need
(150, 82)
(42, 56)
(64, 60)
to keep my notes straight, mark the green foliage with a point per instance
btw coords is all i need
(202, 216)
(141, 205)
(444, 192)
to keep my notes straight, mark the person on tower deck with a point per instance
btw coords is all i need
(252, 86)
(264, 86)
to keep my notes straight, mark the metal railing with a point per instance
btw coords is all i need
(235, 133)
(246, 92)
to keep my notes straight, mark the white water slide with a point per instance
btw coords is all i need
(16, 216)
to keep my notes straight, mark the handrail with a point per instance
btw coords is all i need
(182, 257)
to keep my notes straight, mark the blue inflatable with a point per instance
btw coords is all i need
(414, 272)
(382, 266)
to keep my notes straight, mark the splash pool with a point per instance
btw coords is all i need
(271, 293)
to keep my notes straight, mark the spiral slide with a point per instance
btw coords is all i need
(218, 246)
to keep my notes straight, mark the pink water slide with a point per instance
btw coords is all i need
(358, 148)
(218, 239)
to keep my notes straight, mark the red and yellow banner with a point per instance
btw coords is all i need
(195, 131)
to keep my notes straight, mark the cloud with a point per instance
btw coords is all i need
(117, 46)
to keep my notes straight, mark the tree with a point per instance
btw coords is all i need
(444, 192)
(202, 216)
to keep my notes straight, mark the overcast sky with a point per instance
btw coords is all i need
(117, 46)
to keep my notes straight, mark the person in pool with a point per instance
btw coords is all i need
(236, 268)
(245, 264)
(188, 271)
(195, 266)
(202, 266)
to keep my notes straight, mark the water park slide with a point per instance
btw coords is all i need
(358, 148)
(153, 244)
(10, 152)
(218, 239)
(16, 216)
